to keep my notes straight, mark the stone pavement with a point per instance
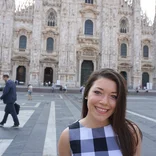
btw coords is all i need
(44, 118)
(37, 123)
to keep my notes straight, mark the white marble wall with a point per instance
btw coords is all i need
(71, 46)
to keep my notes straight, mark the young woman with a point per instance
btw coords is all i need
(103, 129)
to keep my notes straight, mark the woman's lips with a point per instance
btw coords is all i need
(101, 110)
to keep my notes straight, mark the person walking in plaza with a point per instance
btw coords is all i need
(103, 129)
(30, 89)
(65, 88)
(9, 97)
(53, 87)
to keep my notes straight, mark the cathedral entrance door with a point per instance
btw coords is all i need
(20, 75)
(124, 74)
(48, 76)
(87, 68)
(145, 79)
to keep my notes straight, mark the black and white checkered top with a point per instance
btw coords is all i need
(93, 141)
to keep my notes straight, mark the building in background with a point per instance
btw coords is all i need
(46, 41)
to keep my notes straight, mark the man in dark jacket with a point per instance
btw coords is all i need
(9, 97)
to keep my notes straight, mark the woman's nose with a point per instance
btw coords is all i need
(104, 99)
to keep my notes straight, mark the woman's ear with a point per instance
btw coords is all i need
(86, 97)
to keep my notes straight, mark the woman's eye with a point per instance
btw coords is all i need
(97, 92)
(114, 97)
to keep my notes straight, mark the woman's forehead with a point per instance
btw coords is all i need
(105, 84)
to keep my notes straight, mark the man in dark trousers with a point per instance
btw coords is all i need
(9, 97)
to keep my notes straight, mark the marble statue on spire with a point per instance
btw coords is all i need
(7, 5)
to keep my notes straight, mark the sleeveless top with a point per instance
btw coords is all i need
(93, 141)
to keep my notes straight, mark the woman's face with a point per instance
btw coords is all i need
(102, 98)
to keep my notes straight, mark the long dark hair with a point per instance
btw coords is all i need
(125, 129)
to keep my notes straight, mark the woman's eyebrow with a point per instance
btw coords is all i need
(99, 88)
(114, 92)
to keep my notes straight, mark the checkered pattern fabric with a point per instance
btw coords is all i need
(93, 141)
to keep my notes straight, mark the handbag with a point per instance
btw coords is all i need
(17, 108)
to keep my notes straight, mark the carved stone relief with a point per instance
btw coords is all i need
(54, 3)
(71, 78)
(62, 78)
(88, 53)
(23, 32)
(146, 42)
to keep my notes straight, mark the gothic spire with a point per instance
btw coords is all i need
(155, 13)
(6, 5)
(155, 16)
(136, 4)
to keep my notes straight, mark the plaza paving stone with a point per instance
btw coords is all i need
(31, 138)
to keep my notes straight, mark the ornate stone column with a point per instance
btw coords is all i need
(80, 63)
(36, 45)
(94, 62)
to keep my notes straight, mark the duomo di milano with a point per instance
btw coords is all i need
(50, 40)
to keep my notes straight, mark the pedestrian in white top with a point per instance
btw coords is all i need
(53, 87)
(65, 88)
(30, 89)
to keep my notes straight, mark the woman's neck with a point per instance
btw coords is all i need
(93, 123)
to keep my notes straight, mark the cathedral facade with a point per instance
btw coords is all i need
(64, 41)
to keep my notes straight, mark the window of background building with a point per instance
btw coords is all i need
(123, 50)
(89, 1)
(88, 27)
(52, 19)
(22, 42)
(145, 51)
(50, 44)
(123, 26)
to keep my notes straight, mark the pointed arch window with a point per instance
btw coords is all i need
(52, 19)
(145, 51)
(50, 45)
(22, 42)
(88, 27)
(123, 26)
(89, 1)
(123, 50)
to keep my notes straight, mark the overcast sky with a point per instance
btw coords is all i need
(148, 6)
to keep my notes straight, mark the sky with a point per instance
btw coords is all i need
(148, 6)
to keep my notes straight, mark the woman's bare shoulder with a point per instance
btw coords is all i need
(133, 127)
(137, 136)
(65, 135)
(64, 143)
